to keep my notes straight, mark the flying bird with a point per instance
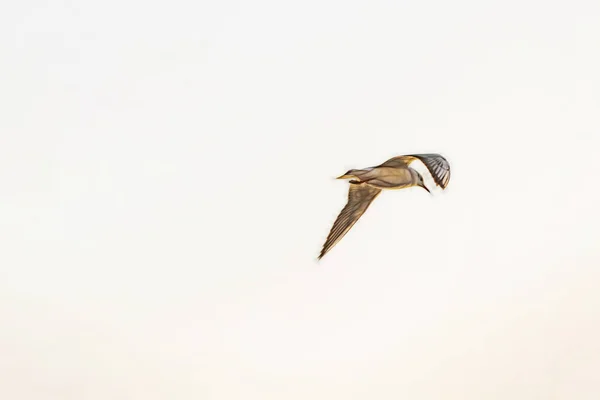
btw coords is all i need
(367, 183)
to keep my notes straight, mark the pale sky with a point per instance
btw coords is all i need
(166, 184)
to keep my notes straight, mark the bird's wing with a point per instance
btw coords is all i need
(437, 165)
(360, 196)
(397, 162)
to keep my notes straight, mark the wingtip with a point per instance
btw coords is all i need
(322, 254)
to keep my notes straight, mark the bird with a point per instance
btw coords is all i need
(366, 184)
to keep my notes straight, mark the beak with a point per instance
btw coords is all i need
(425, 187)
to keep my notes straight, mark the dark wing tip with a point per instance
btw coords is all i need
(321, 254)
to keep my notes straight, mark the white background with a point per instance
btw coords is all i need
(166, 183)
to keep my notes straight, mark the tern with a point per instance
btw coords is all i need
(367, 183)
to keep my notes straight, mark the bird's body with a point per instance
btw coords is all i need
(367, 183)
(385, 177)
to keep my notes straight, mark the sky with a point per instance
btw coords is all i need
(167, 181)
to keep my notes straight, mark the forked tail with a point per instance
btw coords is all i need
(355, 173)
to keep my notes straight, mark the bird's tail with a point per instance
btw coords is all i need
(354, 173)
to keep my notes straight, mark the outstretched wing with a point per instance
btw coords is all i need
(360, 196)
(438, 166)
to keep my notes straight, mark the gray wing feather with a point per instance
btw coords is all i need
(360, 196)
(438, 166)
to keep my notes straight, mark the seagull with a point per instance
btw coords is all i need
(367, 183)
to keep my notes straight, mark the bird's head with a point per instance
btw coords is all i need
(421, 183)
